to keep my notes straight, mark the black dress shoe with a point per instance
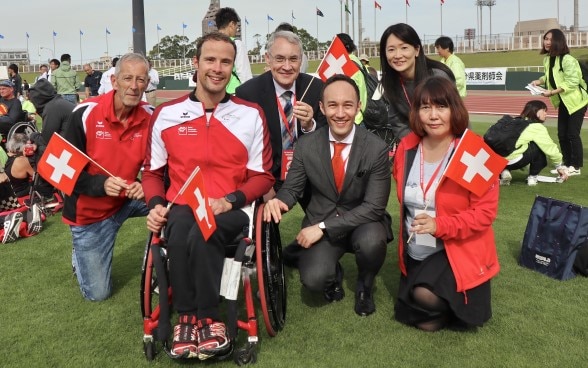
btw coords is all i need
(364, 303)
(335, 292)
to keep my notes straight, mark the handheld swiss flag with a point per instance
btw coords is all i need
(474, 165)
(62, 164)
(336, 61)
(195, 194)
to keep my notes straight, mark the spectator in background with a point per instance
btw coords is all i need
(53, 65)
(227, 22)
(64, 80)
(43, 69)
(533, 146)
(92, 81)
(567, 92)
(53, 109)
(151, 92)
(105, 82)
(444, 46)
(16, 80)
(11, 111)
(365, 61)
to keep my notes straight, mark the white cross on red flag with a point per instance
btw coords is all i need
(474, 165)
(336, 61)
(62, 164)
(195, 195)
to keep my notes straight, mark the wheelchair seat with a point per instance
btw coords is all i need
(254, 253)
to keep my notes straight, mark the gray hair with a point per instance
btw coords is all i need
(291, 37)
(131, 56)
(17, 142)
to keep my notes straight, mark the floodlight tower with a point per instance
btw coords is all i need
(489, 4)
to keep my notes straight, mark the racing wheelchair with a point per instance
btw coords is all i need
(256, 253)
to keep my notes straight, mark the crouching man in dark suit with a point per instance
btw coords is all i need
(348, 171)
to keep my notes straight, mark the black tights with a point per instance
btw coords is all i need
(429, 301)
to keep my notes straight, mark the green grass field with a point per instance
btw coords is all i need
(537, 321)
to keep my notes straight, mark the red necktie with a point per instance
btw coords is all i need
(338, 165)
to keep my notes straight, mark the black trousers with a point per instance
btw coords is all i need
(533, 157)
(317, 264)
(195, 265)
(568, 133)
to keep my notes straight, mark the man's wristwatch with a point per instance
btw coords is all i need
(322, 226)
(231, 198)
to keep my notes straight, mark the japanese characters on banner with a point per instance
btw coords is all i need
(485, 76)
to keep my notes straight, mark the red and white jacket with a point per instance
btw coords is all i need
(464, 222)
(95, 130)
(230, 143)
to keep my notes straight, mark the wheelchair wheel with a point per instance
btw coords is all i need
(270, 273)
(149, 350)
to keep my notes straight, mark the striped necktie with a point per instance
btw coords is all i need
(288, 126)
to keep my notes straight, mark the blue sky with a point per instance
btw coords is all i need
(39, 18)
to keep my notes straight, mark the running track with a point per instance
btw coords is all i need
(477, 102)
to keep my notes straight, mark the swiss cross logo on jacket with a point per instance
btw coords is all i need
(336, 61)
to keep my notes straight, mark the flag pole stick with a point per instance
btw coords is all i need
(412, 234)
(306, 90)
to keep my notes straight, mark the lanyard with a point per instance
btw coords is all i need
(435, 173)
(283, 115)
(405, 93)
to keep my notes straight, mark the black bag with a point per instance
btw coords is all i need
(375, 115)
(555, 231)
(502, 136)
(581, 262)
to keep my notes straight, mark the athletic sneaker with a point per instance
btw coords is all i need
(12, 227)
(34, 220)
(505, 177)
(532, 180)
(212, 339)
(572, 171)
(185, 343)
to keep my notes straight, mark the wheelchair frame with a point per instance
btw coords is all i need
(257, 253)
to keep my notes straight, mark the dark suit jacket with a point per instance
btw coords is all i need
(262, 91)
(366, 186)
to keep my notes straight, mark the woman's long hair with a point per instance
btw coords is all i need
(559, 45)
(531, 108)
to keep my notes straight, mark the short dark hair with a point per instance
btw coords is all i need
(114, 61)
(347, 42)
(531, 108)
(445, 43)
(559, 45)
(224, 16)
(438, 91)
(339, 78)
(66, 57)
(13, 67)
(213, 36)
(55, 61)
(284, 26)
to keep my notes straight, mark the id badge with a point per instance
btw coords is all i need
(287, 156)
(426, 240)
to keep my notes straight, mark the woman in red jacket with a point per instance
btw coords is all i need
(447, 253)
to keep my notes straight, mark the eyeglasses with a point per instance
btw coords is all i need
(279, 59)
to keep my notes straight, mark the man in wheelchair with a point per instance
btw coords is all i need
(228, 139)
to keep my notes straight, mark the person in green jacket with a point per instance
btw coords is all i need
(567, 91)
(534, 146)
(444, 46)
(64, 79)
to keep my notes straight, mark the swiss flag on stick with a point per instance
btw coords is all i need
(474, 165)
(195, 194)
(336, 61)
(62, 164)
